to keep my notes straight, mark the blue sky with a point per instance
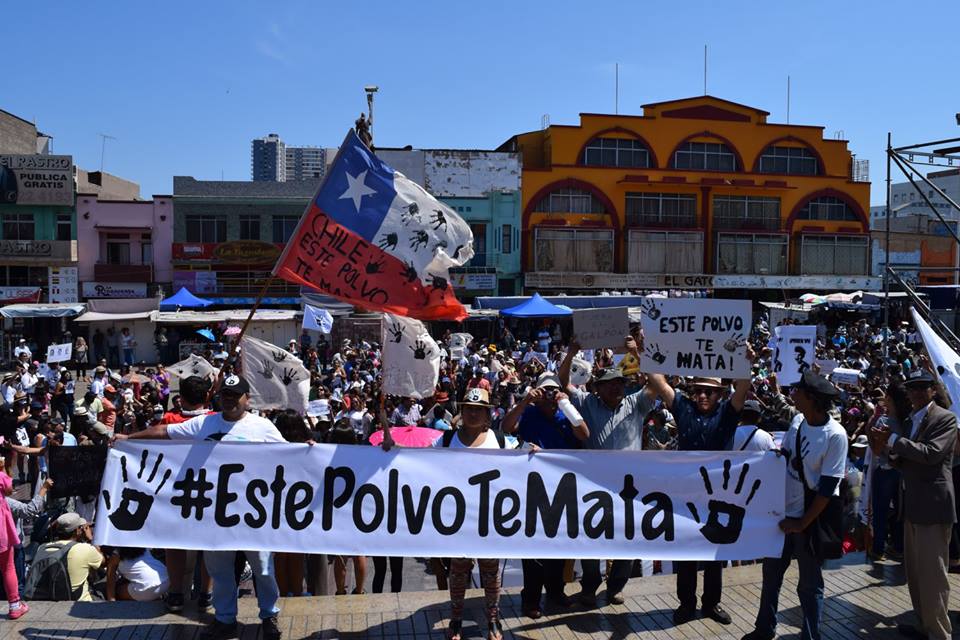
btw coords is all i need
(185, 86)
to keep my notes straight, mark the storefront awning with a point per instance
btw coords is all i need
(49, 310)
(228, 315)
(99, 316)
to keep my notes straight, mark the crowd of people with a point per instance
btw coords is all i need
(848, 449)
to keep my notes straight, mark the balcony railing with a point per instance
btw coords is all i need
(111, 272)
(662, 220)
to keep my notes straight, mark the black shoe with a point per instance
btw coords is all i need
(204, 601)
(174, 602)
(759, 635)
(716, 613)
(587, 599)
(220, 631)
(682, 615)
(911, 631)
(271, 629)
(561, 601)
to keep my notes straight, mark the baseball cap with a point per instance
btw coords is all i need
(476, 397)
(919, 378)
(752, 405)
(548, 379)
(605, 375)
(235, 384)
(70, 522)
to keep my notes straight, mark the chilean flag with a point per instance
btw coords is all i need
(374, 238)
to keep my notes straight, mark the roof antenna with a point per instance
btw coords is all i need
(103, 146)
(704, 69)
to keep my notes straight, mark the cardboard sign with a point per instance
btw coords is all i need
(318, 408)
(76, 471)
(842, 375)
(826, 366)
(696, 337)
(60, 352)
(601, 328)
(796, 347)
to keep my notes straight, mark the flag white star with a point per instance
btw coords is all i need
(356, 189)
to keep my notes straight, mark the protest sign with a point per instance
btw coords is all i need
(76, 471)
(411, 358)
(59, 352)
(826, 366)
(796, 347)
(347, 500)
(601, 328)
(841, 375)
(701, 337)
(318, 408)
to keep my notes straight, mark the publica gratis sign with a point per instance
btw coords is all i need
(36, 179)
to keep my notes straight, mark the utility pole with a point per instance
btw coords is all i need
(886, 259)
(103, 146)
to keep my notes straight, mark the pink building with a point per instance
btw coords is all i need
(124, 246)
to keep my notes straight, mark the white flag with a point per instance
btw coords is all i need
(278, 379)
(317, 319)
(411, 358)
(193, 365)
(944, 359)
(580, 372)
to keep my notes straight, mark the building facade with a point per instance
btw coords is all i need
(126, 246)
(268, 159)
(305, 163)
(695, 193)
(228, 235)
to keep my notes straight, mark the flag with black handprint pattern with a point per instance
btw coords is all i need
(411, 358)
(278, 379)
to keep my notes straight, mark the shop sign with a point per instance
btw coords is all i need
(36, 179)
(114, 290)
(551, 280)
(64, 284)
(474, 281)
(11, 295)
(26, 248)
(246, 252)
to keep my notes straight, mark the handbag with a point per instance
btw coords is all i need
(825, 534)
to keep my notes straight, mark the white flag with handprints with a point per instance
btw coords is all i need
(193, 365)
(278, 379)
(943, 357)
(411, 358)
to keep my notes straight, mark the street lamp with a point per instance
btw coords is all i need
(370, 90)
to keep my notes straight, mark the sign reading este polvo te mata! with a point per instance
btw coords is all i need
(696, 337)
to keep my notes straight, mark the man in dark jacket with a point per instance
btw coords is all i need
(923, 452)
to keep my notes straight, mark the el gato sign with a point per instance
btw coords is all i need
(246, 252)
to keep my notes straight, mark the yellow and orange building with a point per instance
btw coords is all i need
(696, 193)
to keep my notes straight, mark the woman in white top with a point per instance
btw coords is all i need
(134, 574)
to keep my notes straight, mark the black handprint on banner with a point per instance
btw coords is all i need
(396, 332)
(725, 519)
(388, 241)
(438, 282)
(409, 273)
(266, 370)
(734, 342)
(420, 351)
(279, 356)
(410, 214)
(439, 220)
(653, 351)
(135, 505)
(418, 240)
(289, 375)
(650, 309)
(374, 266)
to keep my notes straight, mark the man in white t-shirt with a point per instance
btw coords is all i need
(233, 424)
(822, 454)
(749, 436)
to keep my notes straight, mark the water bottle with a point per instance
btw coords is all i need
(570, 411)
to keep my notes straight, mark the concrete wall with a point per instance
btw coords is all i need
(17, 136)
(470, 174)
(153, 216)
(106, 185)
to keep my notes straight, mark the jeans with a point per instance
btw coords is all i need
(128, 356)
(687, 583)
(809, 587)
(885, 487)
(220, 566)
(619, 574)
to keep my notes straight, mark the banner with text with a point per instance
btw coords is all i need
(347, 500)
(696, 337)
(59, 352)
(601, 328)
(796, 347)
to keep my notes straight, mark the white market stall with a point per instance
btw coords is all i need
(277, 326)
(133, 313)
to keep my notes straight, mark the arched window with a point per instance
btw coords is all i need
(827, 208)
(616, 152)
(793, 160)
(704, 156)
(570, 200)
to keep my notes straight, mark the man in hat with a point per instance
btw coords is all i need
(705, 422)
(814, 471)
(539, 421)
(22, 350)
(99, 381)
(923, 453)
(83, 559)
(87, 424)
(29, 380)
(615, 422)
(232, 424)
(749, 436)
(9, 387)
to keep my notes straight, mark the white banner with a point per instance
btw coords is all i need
(796, 347)
(944, 359)
(193, 365)
(60, 352)
(348, 499)
(411, 358)
(278, 379)
(702, 337)
(842, 375)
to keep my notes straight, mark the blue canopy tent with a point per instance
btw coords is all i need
(537, 307)
(183, 299)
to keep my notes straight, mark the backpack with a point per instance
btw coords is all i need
(448, 438)
(49, 579)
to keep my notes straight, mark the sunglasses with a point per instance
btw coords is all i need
(705, 391)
